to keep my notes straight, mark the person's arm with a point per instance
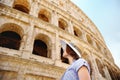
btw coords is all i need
(83, 73)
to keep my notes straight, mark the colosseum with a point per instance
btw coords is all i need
(30, 34)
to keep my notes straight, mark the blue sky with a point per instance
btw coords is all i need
(105, 14)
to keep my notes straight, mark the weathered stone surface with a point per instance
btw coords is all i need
(30, 34)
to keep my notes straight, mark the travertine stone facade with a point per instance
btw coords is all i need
(30, 34)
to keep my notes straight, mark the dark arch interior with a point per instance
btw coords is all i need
(75, 33)
(43, 17)
(65, 60)
(21, 8)
(40, 48)
(10, 39)
(61, 25)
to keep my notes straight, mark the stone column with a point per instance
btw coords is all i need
(84, 37)
(21, 73)
(94, 44)
(95, 73)
(53, 47)
(58, 47)
(70, 27)
(34, 9)
(54, 18)
(107, 75)
(29, 41)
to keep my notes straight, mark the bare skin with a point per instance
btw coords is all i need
(82, 72)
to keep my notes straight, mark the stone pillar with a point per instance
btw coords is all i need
(23, 42)
(94, 44)
(34, 9)
(84, 37)
(54, 18)
(58, 47)
(23, 66)
(107, 75)
(20, 74)
(29, 41)
(53, 47)
(70, 27)
(95, 73)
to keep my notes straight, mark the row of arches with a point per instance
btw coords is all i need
(114, 74)
(11, 38)
(45, 15)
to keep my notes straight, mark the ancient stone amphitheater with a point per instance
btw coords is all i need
(30, 34)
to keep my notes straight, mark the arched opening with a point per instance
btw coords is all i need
(89, 39)
(10, 39)
(40, 48)
(64, 60)
(21, 8)
(100, 67)
(22, 5)
(77, 32)
(62, 24)
(44, 15)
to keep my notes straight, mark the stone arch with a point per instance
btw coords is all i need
(62, 24)
(89, 40)
(44, 15)
(22, 5)
(12, 27)
(100, 67)
(42, 46)
(77, 32)
(10, 36)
